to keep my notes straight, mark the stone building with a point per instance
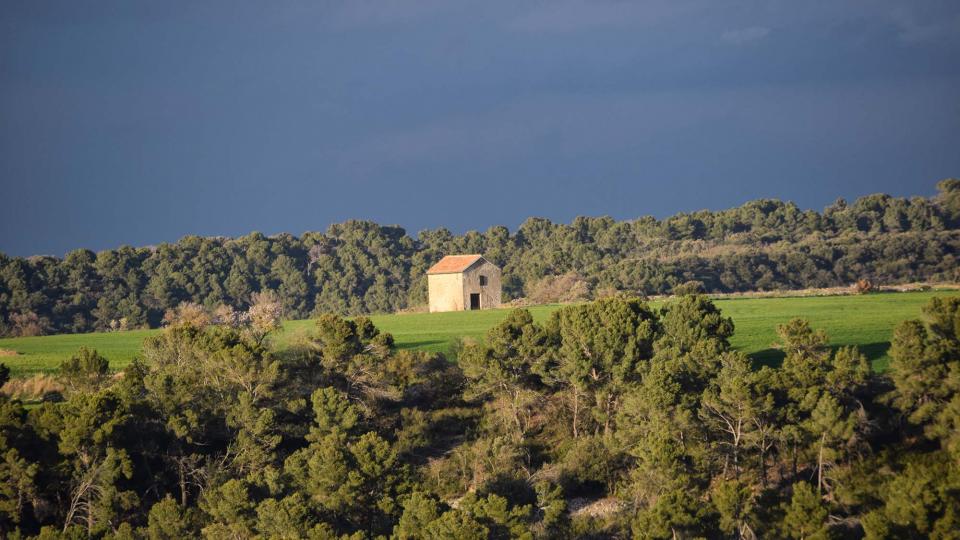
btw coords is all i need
(463, 282)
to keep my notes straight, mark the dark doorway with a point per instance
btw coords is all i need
(474, 300)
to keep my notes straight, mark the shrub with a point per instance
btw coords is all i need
(187, 314)
(40, 387)
(569, 287)
(27, 324)
(688, 288)
(863, 286)
(85, 370)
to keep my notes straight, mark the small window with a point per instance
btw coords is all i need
(483, 280)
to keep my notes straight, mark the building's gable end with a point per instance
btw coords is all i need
(478, 264)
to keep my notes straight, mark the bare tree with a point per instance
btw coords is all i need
(265, 314)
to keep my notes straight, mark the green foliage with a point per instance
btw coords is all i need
(920, 499)
(735, 409)
(806, 516)
(949, 199)
(333, 413)
(91, 439)
(419, 510)
(356, 482)
(610, 419)
(603, 347)
(675, 514)
(168, 521)
(85, 371)
(361, 267)
(286, 518)
(555, 522)
(734, 502)
(230, 511)
(456, 525)
(755, 319)
(506, 369)
(689, 288)
(926, 372)
(19, 468)
(501, 519)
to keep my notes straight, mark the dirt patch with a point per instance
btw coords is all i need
(593, 507)
(826, 291)
(7, 352)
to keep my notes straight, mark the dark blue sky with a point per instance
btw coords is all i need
(140, 122)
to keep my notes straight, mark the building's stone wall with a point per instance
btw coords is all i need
(446, 292)
(451, 292)
(489, 293)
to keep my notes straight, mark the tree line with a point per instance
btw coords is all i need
(361, 267)
(610, 420)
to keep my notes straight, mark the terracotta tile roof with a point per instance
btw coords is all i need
(453, 264)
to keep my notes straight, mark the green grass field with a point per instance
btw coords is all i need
(865, 321)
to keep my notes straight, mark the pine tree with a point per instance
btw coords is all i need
(805, 517)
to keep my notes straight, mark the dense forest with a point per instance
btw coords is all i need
(610, 420)
(361, 267)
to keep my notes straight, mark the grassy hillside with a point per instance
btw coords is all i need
(865, 321)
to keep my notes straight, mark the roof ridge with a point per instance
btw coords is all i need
(451, 264)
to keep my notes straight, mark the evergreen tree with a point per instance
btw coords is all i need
(85, 371)
(806, 516)
(90, 438)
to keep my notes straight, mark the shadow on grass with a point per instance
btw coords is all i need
(874, 351)
(771, 357)
(432, 344)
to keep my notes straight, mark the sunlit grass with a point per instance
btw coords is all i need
(866, 321)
